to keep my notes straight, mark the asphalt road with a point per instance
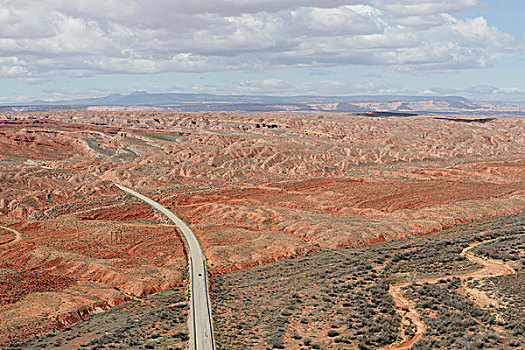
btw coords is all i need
(200, 323)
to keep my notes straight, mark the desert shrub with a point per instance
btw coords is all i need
(332, 333)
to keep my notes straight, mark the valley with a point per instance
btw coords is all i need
(320, 223)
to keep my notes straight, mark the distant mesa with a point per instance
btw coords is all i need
(190, 102)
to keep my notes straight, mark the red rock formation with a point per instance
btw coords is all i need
(255, 187)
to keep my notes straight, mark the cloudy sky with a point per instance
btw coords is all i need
(61, 49)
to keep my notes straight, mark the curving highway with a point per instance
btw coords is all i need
(200, 322)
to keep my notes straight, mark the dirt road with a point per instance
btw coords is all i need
(18, 235)
(407, 310)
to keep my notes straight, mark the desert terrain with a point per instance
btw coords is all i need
(283, 204)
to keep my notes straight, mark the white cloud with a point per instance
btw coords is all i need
(340, 21)
(325, 87)
(484, 93)
(425, 7)
(478, 32)
(77, 38)
(264, 86)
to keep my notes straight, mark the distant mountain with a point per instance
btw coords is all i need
(141, 100)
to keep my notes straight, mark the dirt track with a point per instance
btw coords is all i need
(410, 316)
(491, 268)
(18, 235)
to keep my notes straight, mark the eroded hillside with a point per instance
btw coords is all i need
(256, 188)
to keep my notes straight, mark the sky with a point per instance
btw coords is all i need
(65, 49)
